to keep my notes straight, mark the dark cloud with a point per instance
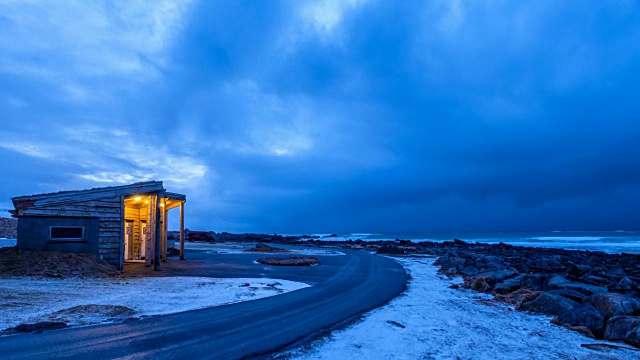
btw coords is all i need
(329, 116)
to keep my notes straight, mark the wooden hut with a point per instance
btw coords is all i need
(118, 223)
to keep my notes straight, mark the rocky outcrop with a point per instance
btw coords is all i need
(263, 248)
(290, 261)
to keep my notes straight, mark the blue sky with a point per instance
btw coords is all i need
(332, 116)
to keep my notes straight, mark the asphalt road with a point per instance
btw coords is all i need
(343, 287)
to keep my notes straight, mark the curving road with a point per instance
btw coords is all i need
(344, 287)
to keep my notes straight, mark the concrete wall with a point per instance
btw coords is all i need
(34, 233)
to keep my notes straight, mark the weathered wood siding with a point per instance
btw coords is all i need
(108, 210)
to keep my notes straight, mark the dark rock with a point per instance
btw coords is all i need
(619, 326)
(291, 261)
(583, 315)
(390, 249)
(459, 242)
(39, 326)
(569, 294)
(584, 288)
(611, 305)
(500, 275)
(481, 284)
(633, 337)
(525, 298)
(550, 304)
(507, 286)
(489, 263)
(556, 281)
(535, 282)
(264, 248)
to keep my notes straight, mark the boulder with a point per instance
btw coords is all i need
(481, 284)
(569, 294)
(556, 281)
(583, 315)
(583, 288)
(497, 276)
(390, 249)
(549, 304)
(534, 282)
(619, 326)
(633, 337)
(488, 262)
(525, 298)
(507, 286)
(611, 305)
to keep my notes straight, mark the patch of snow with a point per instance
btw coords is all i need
(31, 300)
(432, 321)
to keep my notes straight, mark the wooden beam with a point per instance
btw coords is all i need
(150, 229)
(182, 231)
(165, 229)
(158, 233)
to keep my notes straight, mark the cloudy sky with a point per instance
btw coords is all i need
(331, 116)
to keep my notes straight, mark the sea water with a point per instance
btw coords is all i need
(606, 241)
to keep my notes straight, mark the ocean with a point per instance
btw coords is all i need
(606, 241)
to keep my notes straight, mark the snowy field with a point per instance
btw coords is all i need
(432, 321)
(31, 300)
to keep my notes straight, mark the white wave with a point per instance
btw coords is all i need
(568, 238)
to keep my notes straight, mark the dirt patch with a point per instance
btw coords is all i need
(16, 262)
(291, 261)
(266, 249)
(92, 314)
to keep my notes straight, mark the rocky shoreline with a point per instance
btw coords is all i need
(592, 292)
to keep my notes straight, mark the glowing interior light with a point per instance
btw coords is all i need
(146, 201)
(162, 205)
(138, 198)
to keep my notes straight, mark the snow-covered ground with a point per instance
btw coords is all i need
(432, 321)
(235, 248)
(30, 300)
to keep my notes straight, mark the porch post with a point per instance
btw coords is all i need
(182, 230)
(149, 236)
(158, 234)
(165, 230)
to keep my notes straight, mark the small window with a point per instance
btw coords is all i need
(67, 233)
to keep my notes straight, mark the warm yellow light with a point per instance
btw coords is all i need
(138, 198)
(146, 201)
(162, 205)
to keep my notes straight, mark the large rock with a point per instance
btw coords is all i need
(535, 282)
(611, 305)
(570, 294)
(498, 275)
(633, 337)
(619, 326)
(583, 315)
(390, 249)
(556, 281)
(550, 304)
(489, 263)
(507, 286)
(584, 288)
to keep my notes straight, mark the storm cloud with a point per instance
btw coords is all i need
(332, 116)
